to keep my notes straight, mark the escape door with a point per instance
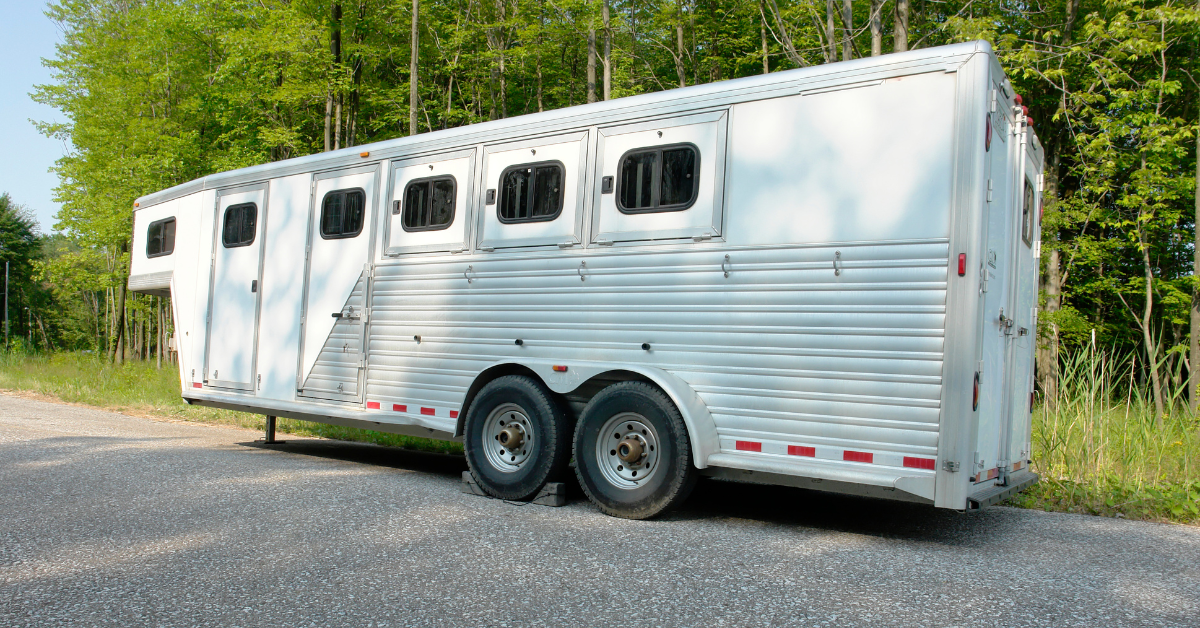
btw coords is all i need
(233, 302)
(337, 284)
(1000, 266)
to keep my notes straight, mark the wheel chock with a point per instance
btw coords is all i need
(552, 494)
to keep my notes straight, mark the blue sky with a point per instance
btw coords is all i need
(26, 36)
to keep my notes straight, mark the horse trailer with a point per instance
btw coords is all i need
(823, 277)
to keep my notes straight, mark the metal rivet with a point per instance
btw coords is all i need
(520, 342)
(645, 346)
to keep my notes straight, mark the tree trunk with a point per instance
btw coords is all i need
(333, 102)
(328, 121)
(789, 49)
(1148, 337)
(876, 28)
(591, 59)
(679, 44)
(414, 44)
(830, 31)
(762, 31)
(1194, 371)
(900, 27)
(607, 60)
(119, 349)
(847, 27)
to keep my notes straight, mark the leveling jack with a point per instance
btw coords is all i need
(269, 435)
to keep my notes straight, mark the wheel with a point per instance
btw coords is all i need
(516, 437)
(633, 457)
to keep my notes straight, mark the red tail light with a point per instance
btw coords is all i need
(962, 264)
(975, 394)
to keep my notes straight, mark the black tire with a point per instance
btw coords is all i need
(669, 482)
(546, 458)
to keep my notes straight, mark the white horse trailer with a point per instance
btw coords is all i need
(824, 278)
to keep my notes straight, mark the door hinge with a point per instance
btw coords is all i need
(307, 250)
(702, 237)
(566, 245)
(487, 249)
(989, 191)
(602, 242)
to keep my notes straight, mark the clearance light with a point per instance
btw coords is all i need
(364, 154)
(975, 394)
(559, 368)
(1017, 98)
(962, 264)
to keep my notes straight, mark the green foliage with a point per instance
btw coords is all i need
(1099, 451)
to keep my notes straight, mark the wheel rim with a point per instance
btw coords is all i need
(508, 439)
(627, 450)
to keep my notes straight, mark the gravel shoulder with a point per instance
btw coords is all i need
(113, 520)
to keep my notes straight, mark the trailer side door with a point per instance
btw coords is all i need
(233, 303)
(337, 282)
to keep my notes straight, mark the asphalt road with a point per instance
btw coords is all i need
(110, 520)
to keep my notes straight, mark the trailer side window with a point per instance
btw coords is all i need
(531, 192)
(428, 204)
(659, 179)
(160, 237)
(1029, 210)
(240, 223)
(342, 213)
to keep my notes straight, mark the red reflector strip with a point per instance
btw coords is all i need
(372, 405)
(197, 385)
(745, 445)
(858, 456)
(428, 411)
(919, 463)
(796, 450)
(993, 473)
(559, 368)
(399, 407)
(454, 414)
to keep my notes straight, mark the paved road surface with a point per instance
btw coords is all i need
(109, 520)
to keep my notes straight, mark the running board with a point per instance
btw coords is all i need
(996, 494)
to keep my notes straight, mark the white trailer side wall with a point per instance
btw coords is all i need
(286, 231)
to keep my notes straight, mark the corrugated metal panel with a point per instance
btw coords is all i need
(783, 349)
(335, 374)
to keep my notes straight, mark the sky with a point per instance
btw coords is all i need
(26, 156)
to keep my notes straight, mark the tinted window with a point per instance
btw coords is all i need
(1029, 210)
(160, 238)
(342, 214)
(531, 192)
(240, 222)
(428, 204)
(658, 179)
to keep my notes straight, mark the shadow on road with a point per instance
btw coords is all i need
(715, 499)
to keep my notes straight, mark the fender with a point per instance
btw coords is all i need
(702, 430)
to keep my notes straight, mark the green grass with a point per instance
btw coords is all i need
(1097, 446)
(140, 388)
(1100, 450)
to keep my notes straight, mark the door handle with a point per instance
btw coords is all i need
(348, 314)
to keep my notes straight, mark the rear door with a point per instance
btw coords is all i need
(233, 302)
(337, 282)
(999, 267)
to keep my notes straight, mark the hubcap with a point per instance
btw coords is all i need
(627, 450)
(508, 438)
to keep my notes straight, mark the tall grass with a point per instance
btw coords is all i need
(138, 387)
(1100, 448)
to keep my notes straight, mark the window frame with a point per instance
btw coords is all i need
(344, 235)
(656, 180)
(562, 191)
(1029, 211)
(151, 226)
(430, 181)
(225, 221)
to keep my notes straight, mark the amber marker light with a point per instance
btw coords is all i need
(559, 368)
(364, 154)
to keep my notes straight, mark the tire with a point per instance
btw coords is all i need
(528, 411)
(643, 419)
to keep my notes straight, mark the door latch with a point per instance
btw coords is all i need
(349, 313)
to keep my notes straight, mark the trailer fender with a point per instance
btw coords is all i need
(702, 430)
